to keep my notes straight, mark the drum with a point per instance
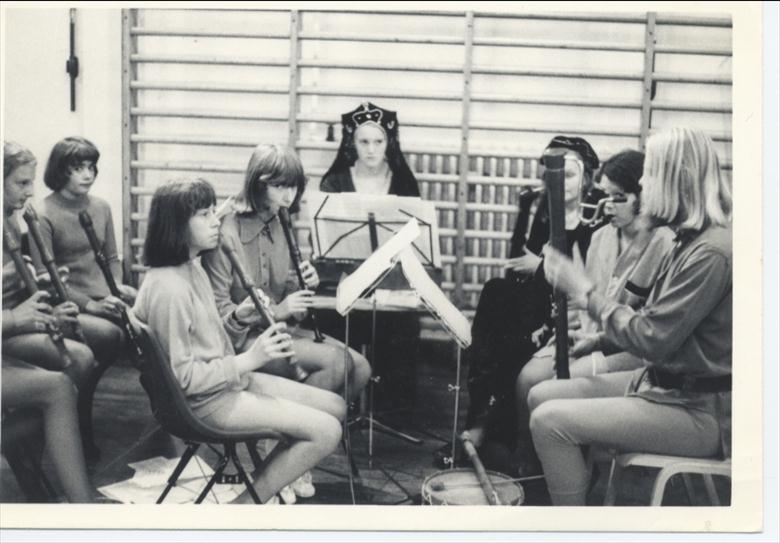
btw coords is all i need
(461, 487)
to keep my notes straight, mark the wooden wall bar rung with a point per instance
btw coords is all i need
(209, 60)
(682, 50)
(711, 79)
(550, 44)
(197, 86)
(185, 32)
(206, 114)
(379, 38)
(578, 74)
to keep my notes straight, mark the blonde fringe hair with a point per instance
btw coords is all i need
(682, 185)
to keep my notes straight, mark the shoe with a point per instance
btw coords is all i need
(303, 486)
(274, 500)
(287, 494)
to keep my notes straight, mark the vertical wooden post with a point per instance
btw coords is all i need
(129, 17)
(295, 78)
(647, 80)
(460, 238)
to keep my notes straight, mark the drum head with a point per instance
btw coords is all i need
(461, 487)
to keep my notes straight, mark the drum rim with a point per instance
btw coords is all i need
(491, 473)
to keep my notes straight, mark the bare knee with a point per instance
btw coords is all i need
(61, 391)
(328, 434)
(82, 359)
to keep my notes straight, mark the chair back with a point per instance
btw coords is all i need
(169, 404)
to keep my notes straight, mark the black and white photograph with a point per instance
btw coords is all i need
(364, 260)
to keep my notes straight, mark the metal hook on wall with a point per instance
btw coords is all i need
(72, 64)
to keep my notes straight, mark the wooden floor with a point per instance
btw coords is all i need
(126, 432)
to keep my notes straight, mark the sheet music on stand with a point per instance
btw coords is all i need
(340, 231)
(371, 272)
(382, 261)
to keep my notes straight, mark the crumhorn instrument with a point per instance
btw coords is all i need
(14, 249)
(34, 226)
(86, 223)
(554, 181)
(482, 476)
(262, 308)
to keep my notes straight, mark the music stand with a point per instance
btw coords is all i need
(362, 284)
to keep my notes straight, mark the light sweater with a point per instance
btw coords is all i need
(177, 304)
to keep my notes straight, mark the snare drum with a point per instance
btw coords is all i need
(461, 487)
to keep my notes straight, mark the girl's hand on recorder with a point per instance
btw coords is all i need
(310, 275)
(273, 343)
(294, 305)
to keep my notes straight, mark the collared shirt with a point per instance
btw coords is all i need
(262, 248)
(685, 327)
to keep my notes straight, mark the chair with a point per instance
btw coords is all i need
(669, 466)
(172, 411)
(22, 447)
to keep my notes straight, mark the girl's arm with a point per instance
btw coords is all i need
(658, 330)
(169, 318)
(109, 248)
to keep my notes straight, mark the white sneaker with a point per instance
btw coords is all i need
(303, 486)
(288, 495)
(273, 501)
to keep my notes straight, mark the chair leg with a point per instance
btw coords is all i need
(257, 461)
(86, 396)
(185, 458)
(712, 492)
(660, 485)
(613, 481)
(217, 474)
(689, 490)
(231, 449)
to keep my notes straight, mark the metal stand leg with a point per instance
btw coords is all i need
(455, 389)
(369, 419)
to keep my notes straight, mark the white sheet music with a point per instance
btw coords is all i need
(374, 268)
(434, 299)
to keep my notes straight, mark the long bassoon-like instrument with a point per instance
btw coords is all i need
(554, 180)
(86, 223)
(34, 227)
(295, 257)
(261, 306)
(14, 249)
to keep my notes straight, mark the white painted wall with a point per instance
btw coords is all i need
(36, 91)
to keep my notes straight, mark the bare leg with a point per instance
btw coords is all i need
(39, 350)
(54, 394)
(306, 416)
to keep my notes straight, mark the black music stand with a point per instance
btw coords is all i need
(368, 419)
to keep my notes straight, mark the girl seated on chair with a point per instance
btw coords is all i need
(177, 303)
(70, 173)
(624, 260)
(275, 179)
(25, 317)
(680, 402)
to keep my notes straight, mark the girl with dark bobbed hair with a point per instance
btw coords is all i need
(221, 382)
